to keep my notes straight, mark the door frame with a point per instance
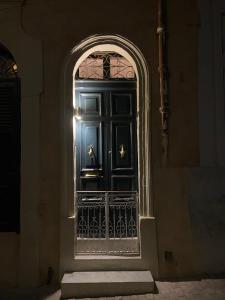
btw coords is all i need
(148, 253)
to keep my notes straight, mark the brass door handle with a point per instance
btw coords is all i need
(92, 155)
(122, 151)
(91, 151)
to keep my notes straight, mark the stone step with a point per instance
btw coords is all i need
(108, 283)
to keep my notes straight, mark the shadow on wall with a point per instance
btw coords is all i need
(207, 211)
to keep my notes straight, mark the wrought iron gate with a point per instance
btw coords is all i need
(107, 223)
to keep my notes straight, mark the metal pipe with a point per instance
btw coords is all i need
(163, 77)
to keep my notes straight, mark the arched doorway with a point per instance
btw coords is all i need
(146, 256)
(10, 143)
(106, 164)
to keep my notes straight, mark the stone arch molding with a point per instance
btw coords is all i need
(68, 262)
(133, 54)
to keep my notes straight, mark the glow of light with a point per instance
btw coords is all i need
(78, 117)
(74, 125)
(15, 68)
(77, 113)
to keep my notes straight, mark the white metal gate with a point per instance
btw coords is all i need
(107, 223)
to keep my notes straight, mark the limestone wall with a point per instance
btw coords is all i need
(40, 34)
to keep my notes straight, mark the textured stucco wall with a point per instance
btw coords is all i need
(61, 28)
(206, 190)
(19, 257)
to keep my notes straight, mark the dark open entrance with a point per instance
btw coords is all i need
(10, 143)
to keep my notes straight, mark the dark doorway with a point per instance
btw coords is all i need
(10, 143)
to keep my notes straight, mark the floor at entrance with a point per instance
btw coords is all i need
(205, 289)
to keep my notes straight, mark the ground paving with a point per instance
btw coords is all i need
(204, 289)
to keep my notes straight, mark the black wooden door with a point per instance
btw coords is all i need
(106, 156)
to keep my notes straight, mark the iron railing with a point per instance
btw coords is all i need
(107, 216)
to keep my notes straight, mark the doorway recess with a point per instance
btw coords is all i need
(137, 184)
(105, 154)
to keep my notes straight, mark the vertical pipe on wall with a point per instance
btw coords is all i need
(163, 78)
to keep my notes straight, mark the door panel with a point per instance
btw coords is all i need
(121, 136)
(123, 183)
(90, 104)
(91, 136)
(91, 184)
(90, 161)
(121, 104)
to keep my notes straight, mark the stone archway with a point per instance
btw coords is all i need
(148, 253)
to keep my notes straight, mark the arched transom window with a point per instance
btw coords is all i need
(105, 66)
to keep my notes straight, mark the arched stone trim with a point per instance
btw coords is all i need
(133, 54)
(130, 51)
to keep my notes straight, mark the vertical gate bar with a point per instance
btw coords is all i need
(82, 221)
(120, 219)
(126, 223)
(107, 220)
(137, 220)
(76, 213)
(100, 221)
(114, 221)
(93, 221)
(131, 216)
(88, 214)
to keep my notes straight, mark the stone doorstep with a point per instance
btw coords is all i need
(108, 283)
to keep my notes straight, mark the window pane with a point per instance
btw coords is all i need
(91, 68)
(105, 65)
(121, 68)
